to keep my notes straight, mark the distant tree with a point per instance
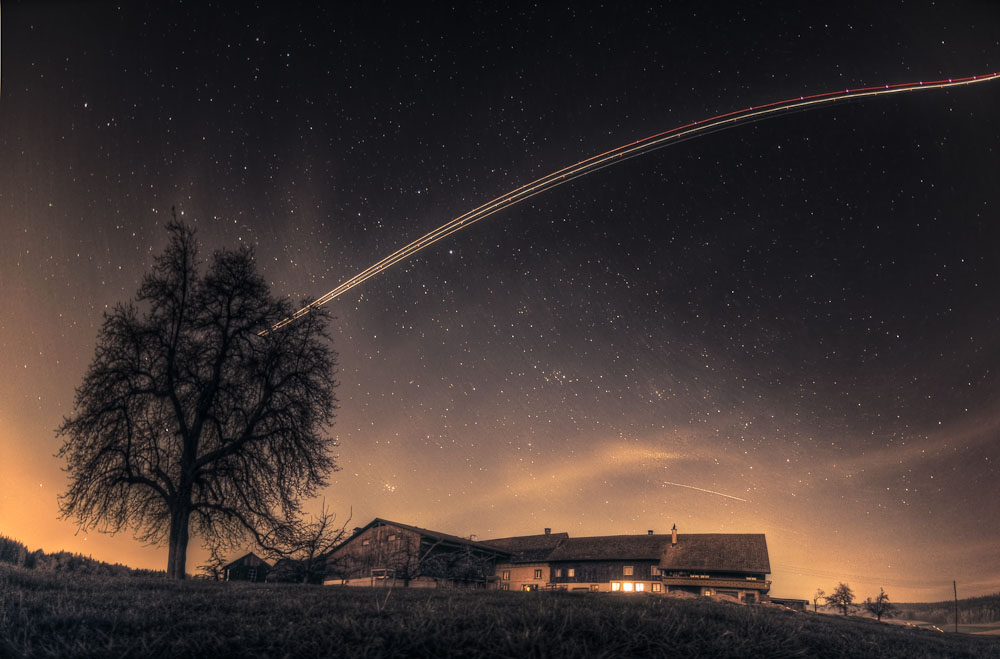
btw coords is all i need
(301, 550)
(12, 551)
(820, 594)
(880, 606)
(194, 411)
(842, 596)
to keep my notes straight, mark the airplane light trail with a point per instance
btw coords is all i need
(620, 154)
(701, 489)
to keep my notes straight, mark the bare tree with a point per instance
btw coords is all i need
(820, 594)
(214, 567)
(301, 551)
(881, 606)
(195, 411)
(842, 596)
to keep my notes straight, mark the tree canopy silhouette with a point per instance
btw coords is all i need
(194, 413)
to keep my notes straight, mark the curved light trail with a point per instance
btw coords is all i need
(620, 154)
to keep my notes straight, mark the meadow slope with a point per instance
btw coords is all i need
(47, 615)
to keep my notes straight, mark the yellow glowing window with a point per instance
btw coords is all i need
(639, 587)
(570, 572)
(615, 587)
(627, 570)
(657, 587)
(506, 575)
(628, 586)
(594, 588)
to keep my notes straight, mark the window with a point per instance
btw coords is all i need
(654, 571)
(252, 574)
(570, 572)
(657, 587)
(529, 586)
(627, 571)
(615, 586)
(628, 586)
(506, 575)
(751, 578)
(707, 592)
(750, 598)
(640, 587)
(558, 572)
(505, 586)
(594, 588)
(365, 543)
(392, 537)
(538, 573)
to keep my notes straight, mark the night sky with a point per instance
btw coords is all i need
(798, 316)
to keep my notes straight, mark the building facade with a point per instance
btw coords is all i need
(385, 553)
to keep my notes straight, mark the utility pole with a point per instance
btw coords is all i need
(955, 588)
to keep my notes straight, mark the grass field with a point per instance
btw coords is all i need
(46, 615)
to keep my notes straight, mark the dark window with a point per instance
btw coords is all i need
(538, 573)
(506, 575)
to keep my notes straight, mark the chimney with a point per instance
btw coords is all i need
(649, 532)
(357, 530)
(548, 531)
(673, 535)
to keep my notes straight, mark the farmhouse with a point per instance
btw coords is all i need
(247, 568)
(733, 564)
(387, 553)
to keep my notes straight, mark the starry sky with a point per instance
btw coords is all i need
(789, 327)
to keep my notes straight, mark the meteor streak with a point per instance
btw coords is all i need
(701, 489)
(620, 154)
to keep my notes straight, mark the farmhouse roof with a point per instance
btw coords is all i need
(611, 547)
(435, 535)
(528, 548)
(251, 560)
(737, 552)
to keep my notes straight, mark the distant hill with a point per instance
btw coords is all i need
(971, 611)
(15, 553)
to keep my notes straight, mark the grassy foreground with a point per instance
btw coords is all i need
(45, 615)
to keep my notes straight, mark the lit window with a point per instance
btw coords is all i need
(506, 575)
(615, 586)
(538, 573)
(627, 587)
(627, 571)
(570, 572)
(655, 571)
(594, 588)
(657, 587)
(751, 578)
(365, 543)
(505, 586)
(559, 572)
(640, 587)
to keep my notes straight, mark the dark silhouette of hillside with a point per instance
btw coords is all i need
(15, 553)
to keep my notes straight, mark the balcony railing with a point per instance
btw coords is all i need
(694, 582)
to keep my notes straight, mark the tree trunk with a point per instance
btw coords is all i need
(177, 551)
